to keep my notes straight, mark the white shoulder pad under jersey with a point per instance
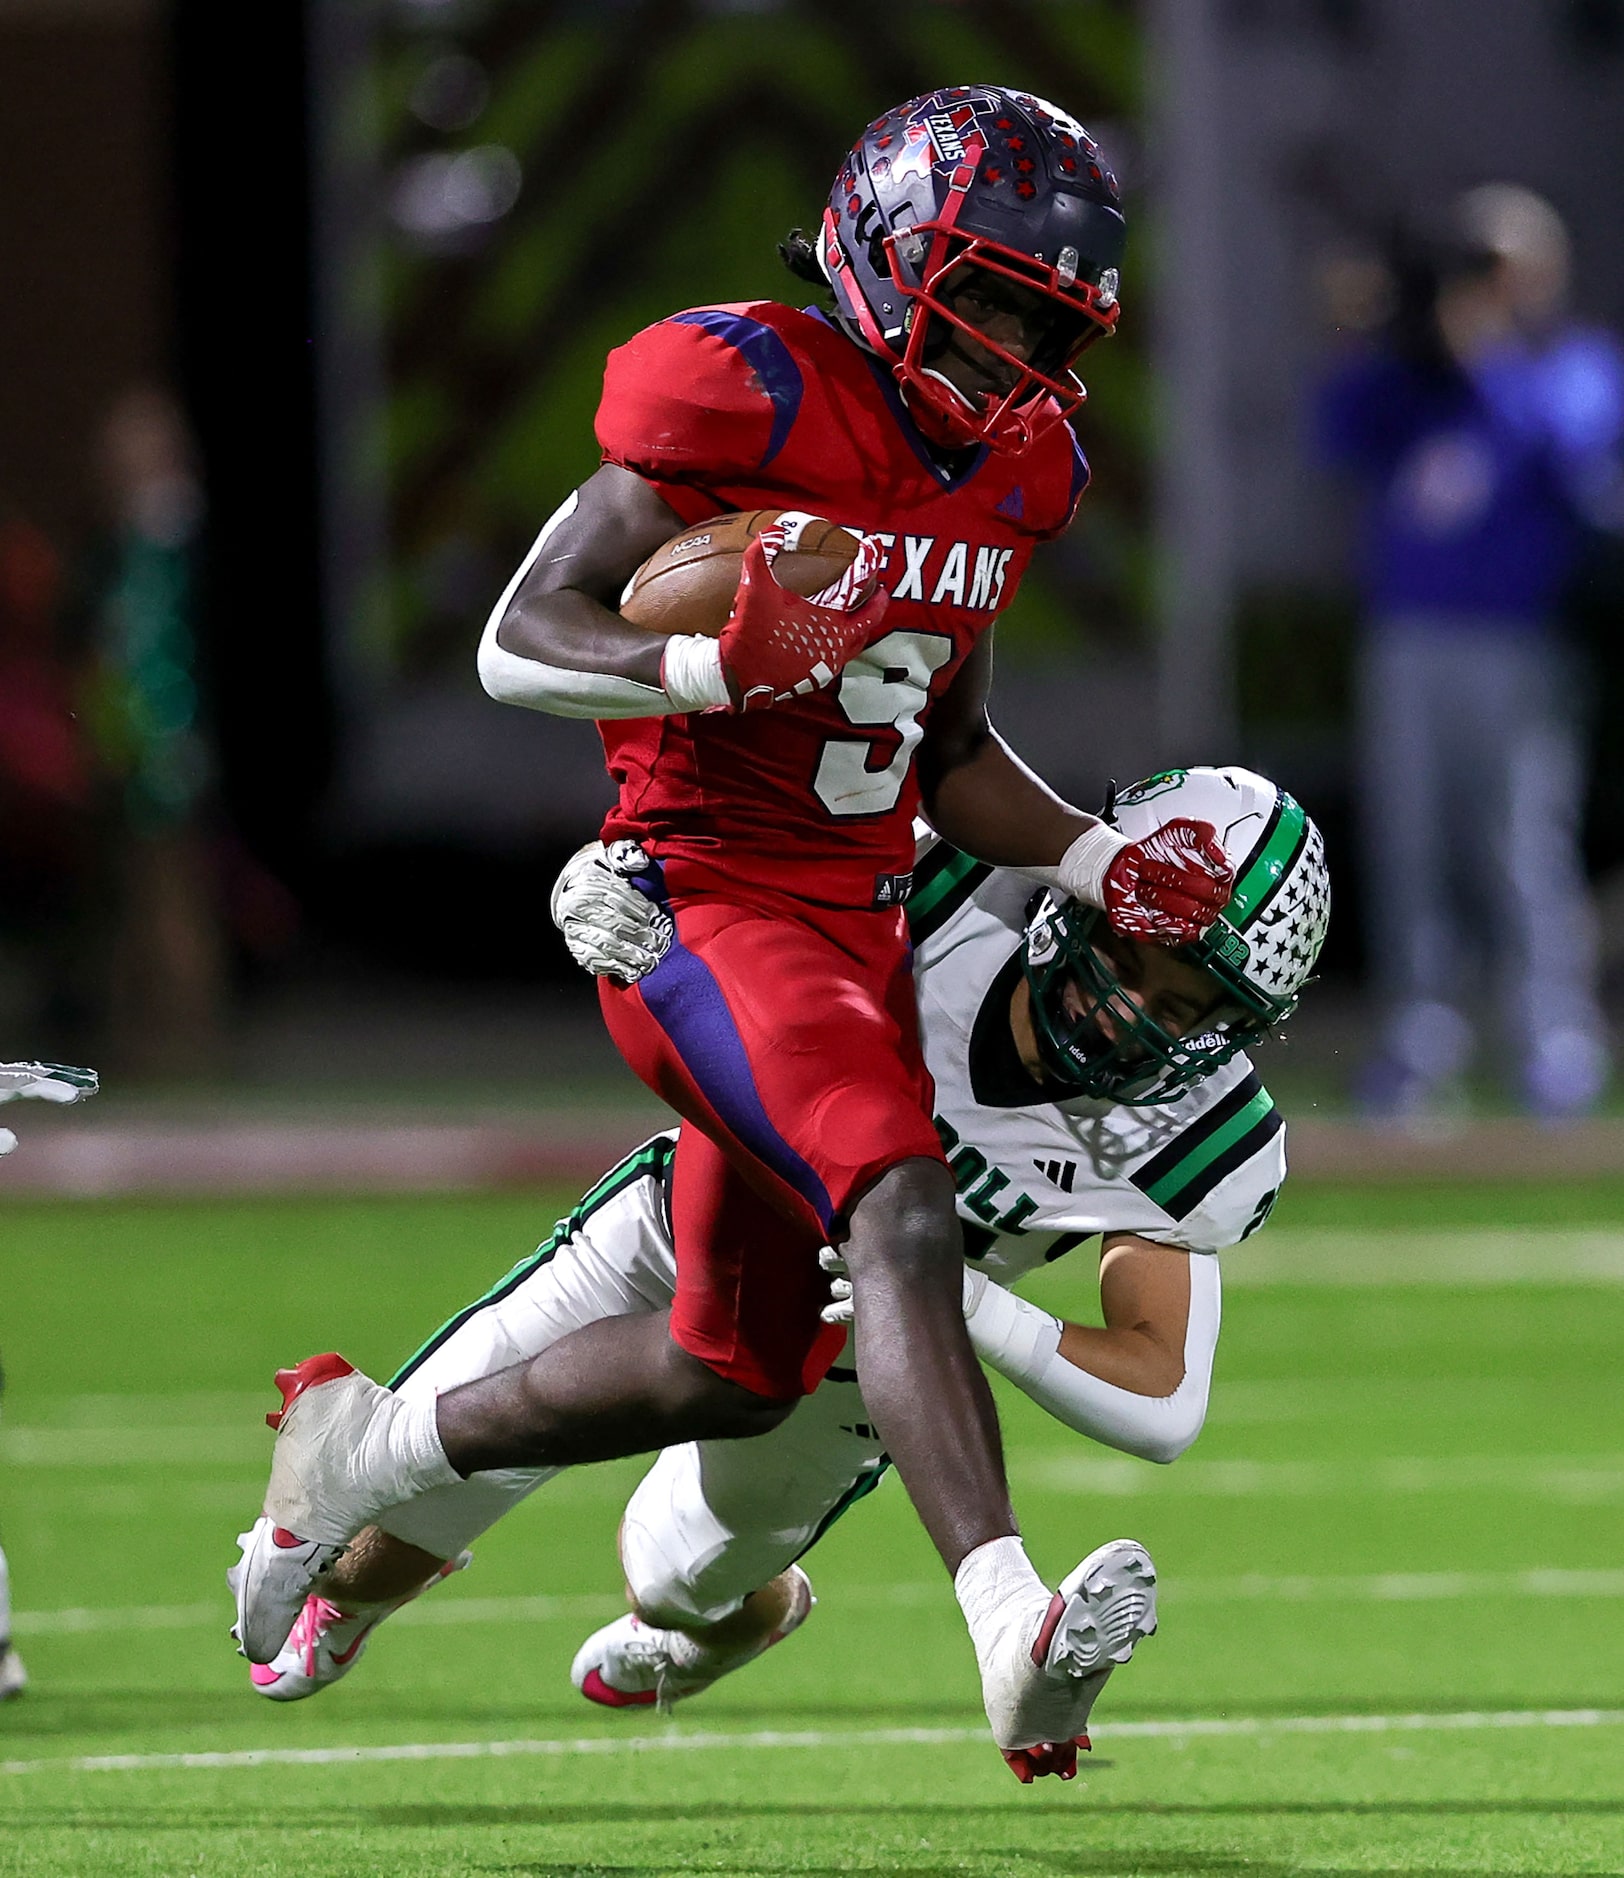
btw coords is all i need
(1036, 1181)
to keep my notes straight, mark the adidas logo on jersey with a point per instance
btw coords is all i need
(1061, 1174)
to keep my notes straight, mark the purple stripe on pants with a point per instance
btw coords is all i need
(684, 998)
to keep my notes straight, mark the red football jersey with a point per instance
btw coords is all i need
(762, 406)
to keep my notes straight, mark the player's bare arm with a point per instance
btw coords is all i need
(983, 799)
(978, 794)
(556, 641)
(563, 612)
(1145, 1300)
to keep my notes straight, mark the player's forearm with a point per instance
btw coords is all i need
(554, 641)
(1132, 1359)
(988, 803)
(1109, 1385)
(980, 796)
(568, 655)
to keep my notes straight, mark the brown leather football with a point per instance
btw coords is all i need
(688, 585)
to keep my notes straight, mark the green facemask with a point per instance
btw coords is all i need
(1143, 1063)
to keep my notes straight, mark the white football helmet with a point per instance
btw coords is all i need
(1261, 950)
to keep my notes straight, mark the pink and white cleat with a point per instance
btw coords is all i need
(630, 1664)
(271, 1583)
(1041, 1690)
(320, 1495)
(326, 1643)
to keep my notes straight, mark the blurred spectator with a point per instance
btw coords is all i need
(167, 965)
(1485, 426)
(45, 795)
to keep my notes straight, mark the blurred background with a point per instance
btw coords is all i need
(303, 330)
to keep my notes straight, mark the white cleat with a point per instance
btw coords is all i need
(316, 1501)
(630, 1664)
(13, 1677)
(1041, 1688)
(326, 1643)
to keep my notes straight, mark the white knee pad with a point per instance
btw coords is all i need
(675, 1551)
(715, 1520)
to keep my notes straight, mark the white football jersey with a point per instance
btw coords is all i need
(1036, 1180)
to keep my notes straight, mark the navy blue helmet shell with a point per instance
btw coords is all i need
(974, 177)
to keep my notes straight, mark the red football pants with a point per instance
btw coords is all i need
(790, 1047)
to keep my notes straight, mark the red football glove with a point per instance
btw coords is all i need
(1170, 886)
(776, 645)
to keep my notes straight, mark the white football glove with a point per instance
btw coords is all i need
(45, 1082)
(612, 930)
(839, 1308)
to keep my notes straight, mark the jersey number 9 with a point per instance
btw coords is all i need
(886, 686)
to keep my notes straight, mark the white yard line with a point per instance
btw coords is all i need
(451, 1610)
(674, 1743)
(1398, 1587)
(1587, 1480)
(246, 1447)
(1572, 1479)
(1416, 1255)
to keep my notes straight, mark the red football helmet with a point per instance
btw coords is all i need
(975, 187)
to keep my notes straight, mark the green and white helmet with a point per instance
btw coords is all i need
(1261, 950)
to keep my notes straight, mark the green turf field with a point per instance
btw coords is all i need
(1393, 1575)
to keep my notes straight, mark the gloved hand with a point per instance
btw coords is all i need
(1171, 886)
(1167, 887)
(612, 930)
(44, 1082)
(776, 645)
(839, 1308)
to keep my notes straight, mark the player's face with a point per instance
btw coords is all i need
(1018, 320)
(1181, 997)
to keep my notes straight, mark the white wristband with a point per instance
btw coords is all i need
(691, 672)
(1082, 870)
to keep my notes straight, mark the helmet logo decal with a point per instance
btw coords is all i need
(939, 139)
(1149, 787)
(946, 126)
(918, 155)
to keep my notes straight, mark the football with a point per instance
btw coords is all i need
(688, 585)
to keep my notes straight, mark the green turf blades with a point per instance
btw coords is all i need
(1351, 1537)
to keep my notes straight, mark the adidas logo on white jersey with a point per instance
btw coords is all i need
(1061, 1174)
